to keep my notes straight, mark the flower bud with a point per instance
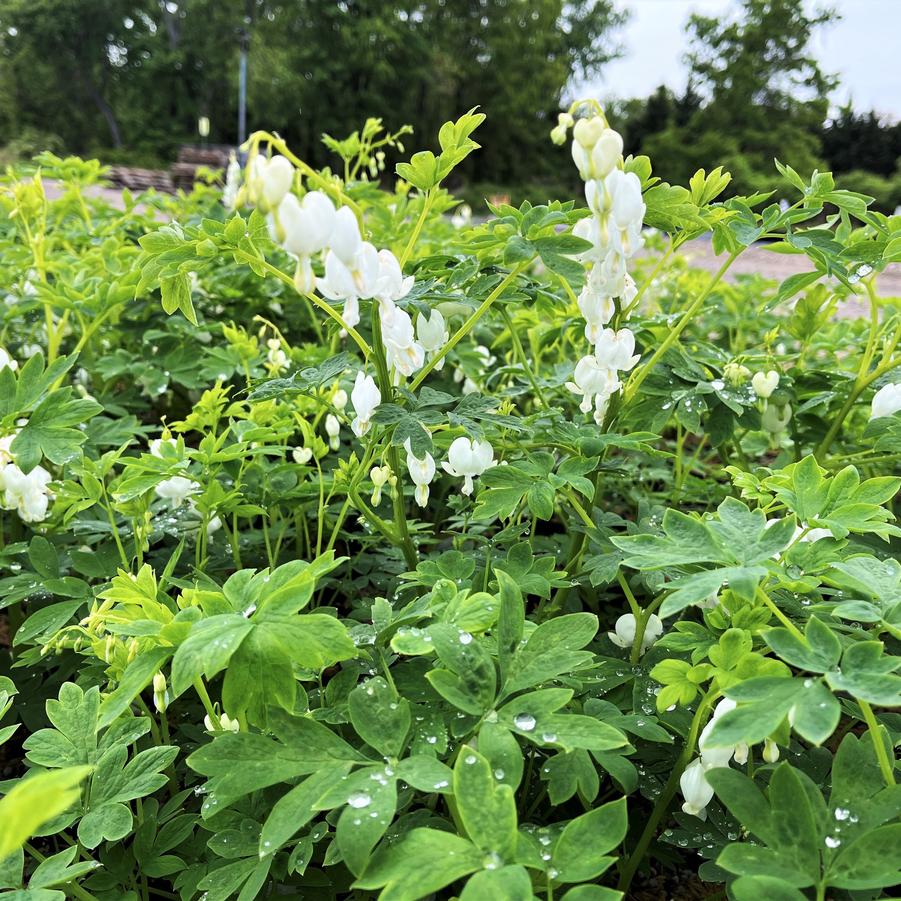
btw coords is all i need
(770, 751)
(379, 475)
(607, 152)
(160, 693)
(333, 430)
(736, 374)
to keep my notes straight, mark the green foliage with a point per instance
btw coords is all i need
(248, 658)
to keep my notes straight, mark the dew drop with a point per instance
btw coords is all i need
(524, 721)
(359, 799)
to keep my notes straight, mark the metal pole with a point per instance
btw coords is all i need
(242, 94)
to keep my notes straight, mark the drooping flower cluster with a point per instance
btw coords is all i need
(614, 231)
(26, 493)
(696, 790)
(354, 269)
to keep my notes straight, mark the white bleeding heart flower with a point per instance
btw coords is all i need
(303, 228)
(422, 471)
(593, 380)
(270, 180)
(597, 309)
(402, 352)
(615, 349)
(719, 756)
(696, 790)
(770, 751)
(468, 459)
(391, 284)
(432, 334)
(764, 384)
(27, 494)
(626, 205)
(5, 445)
(886, 401)
(159, 447)
(176, 490)
(302, 455)
(353, 281)
(339, 399)
(365, 396)
(625, 628)
(224, 723)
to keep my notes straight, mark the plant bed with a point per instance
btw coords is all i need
(352, 551)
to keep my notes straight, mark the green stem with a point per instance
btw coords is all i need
(646, 283)
(469, 324)
(411, 556)
(669, 790)
(780, 615)
(204, 695)
(323, 305)
(417, 229)
(887, 766)
(673, 335)
(520, 353)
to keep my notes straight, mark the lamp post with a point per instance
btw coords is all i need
(244, 46)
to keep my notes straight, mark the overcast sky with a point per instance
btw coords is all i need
(863, 49)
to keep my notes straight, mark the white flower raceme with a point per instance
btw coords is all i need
(623, 635)
(886, 401)
(269, 180)
(402, 352)
(379, 475)
(333, 430)
(6, 360)
(764, 384)
(176, 490)
(27, 494)
(365, 397)
(432, 334)
(467, 459)
(422, 471)
(225, 724)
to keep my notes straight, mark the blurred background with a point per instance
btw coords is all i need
(692, 83)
